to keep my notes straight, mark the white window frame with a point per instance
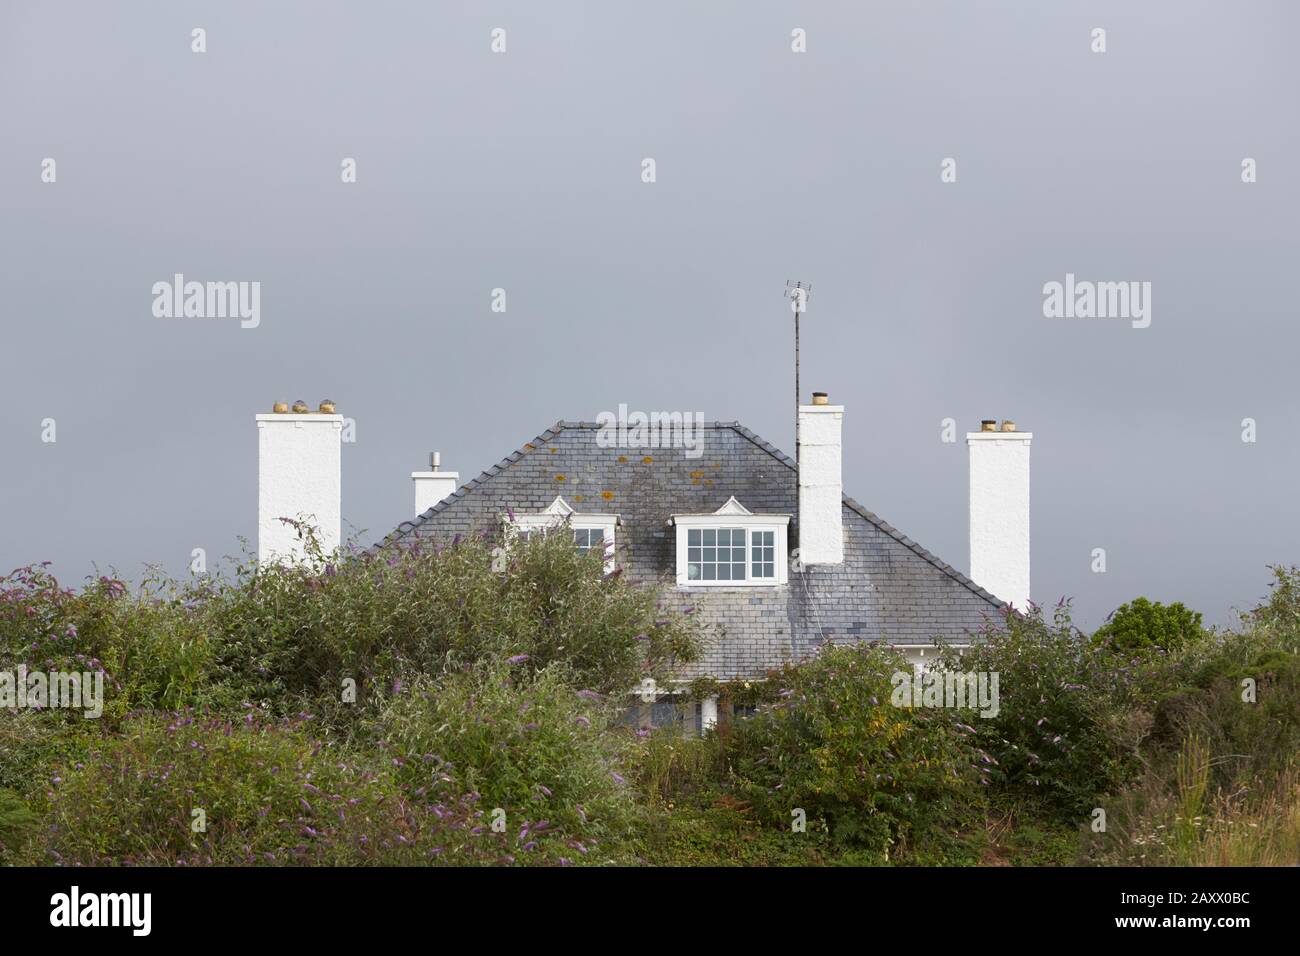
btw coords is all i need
(734, 515)
(559, 512)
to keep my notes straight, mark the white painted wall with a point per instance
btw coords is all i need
(821, 484)
(999, 514)
(431, 487)
(299, 473)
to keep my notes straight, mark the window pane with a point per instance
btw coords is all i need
(731, 554)
(664, 713)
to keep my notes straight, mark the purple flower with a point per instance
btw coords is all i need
(517, 659)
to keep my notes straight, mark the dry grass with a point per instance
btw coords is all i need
(1249, 826)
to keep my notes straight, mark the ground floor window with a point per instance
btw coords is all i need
(667, 710)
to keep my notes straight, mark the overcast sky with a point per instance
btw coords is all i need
(523, 171)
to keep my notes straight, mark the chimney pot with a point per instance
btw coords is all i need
(988, 424)
(300, 407)
(1008, 425)
(280, 408)
(821, 398)
(327, 407)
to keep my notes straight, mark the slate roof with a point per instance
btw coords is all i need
(889, 587)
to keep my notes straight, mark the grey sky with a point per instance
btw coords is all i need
(522, 171)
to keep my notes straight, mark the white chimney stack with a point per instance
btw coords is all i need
(999, 511)
(821, 482)
(433, 486)
(299, 476)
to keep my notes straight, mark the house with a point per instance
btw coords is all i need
(773, 557)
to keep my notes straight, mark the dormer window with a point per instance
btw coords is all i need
(731, 547)
(590, 531)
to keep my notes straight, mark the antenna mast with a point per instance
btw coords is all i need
(798, 293)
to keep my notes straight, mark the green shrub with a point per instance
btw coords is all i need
(287, 638)
(723, 835)
(868, 773)
(384, 620)
(151, 646)
(527, 744)
(1276, 622)
(1251, 739)
(268, 793)
(669, 768)
(1072, 713)
(1143, 625)
(16, 820)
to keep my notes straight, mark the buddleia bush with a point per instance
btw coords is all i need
(383, 620)
(340, 634)
(182, 789)
(532, 748)
(1072, 712)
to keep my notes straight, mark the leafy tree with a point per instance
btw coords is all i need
(1143, 625)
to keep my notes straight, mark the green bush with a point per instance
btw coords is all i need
(1072, 713)
(16, 821)
(1144, 625)
(1253, 734)
(151, 646)
(1276, 622)
(868, 773)
(268, 793)
(721, 835)
(525, 744)
(382, 621)
(287, 638)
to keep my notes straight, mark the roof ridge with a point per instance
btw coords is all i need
(565, 423)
